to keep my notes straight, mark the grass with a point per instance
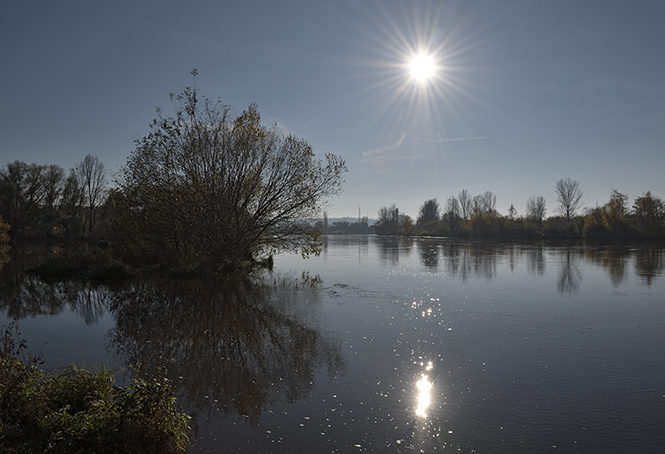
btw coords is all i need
(82, 411)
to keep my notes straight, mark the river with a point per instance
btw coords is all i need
(387, 344)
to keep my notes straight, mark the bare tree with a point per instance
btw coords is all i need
(452, 211)
(71, 206)
(569, 196)
(489, 202)
(535, 209)
(91, 177)
(484, 203)
(465, 204)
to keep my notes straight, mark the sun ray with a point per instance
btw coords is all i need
(421, 81)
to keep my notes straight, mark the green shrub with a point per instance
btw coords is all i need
(81, 411)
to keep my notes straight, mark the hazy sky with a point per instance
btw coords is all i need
(525, 92)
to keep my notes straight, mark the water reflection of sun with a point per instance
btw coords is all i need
(424, 387)
(424, 399)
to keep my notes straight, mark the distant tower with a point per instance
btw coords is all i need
(358, 213)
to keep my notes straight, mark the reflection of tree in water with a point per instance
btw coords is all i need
(429, 253)
(4, 256)
(614, 260)
(229, 345)
(570, 276)
(23, 296)
(611, 258)
(535, 259)
(649, 263)
(389, 249)
(465, 260)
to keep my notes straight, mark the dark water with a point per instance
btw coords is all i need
(388, 345)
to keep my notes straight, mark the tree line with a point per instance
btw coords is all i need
(43, 202)
(467, 215)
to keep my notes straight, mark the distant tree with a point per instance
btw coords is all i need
(569, 196)
(91, 177)
(207, 190)
(71, 206)
(388, 222)
(536, 209)
(54, 182)
(594, 227)
(406, 225)
(649, 213)
(483, 203)
(614, 212)
(429, 211)
(22, 192)
(512, 213)
(489, 201)
(465, 204)
(452, 214)
(452, 209)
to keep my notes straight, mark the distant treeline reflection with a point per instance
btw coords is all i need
(466, 260)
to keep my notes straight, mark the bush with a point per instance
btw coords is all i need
(81, 411)
(97, 265)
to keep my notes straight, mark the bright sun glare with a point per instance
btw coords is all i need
(422, 67)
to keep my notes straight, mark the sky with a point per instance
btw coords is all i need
(522, 93)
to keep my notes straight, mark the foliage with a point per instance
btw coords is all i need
(22, 190)
(79, 411)
(207, 190)
(594, 227)
(429, 211)
(407, 224)
(388, 222)
(38, 201)
(649, 214)
(615, 212)
(476, 217)
(4, 236)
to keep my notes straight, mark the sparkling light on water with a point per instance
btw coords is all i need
(424, 388)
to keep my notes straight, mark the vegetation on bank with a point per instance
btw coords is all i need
(81, 411)
(477, 217)
(93, 265)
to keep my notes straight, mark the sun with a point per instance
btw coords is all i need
(422, 67)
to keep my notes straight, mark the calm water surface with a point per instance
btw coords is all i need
(388, 345)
